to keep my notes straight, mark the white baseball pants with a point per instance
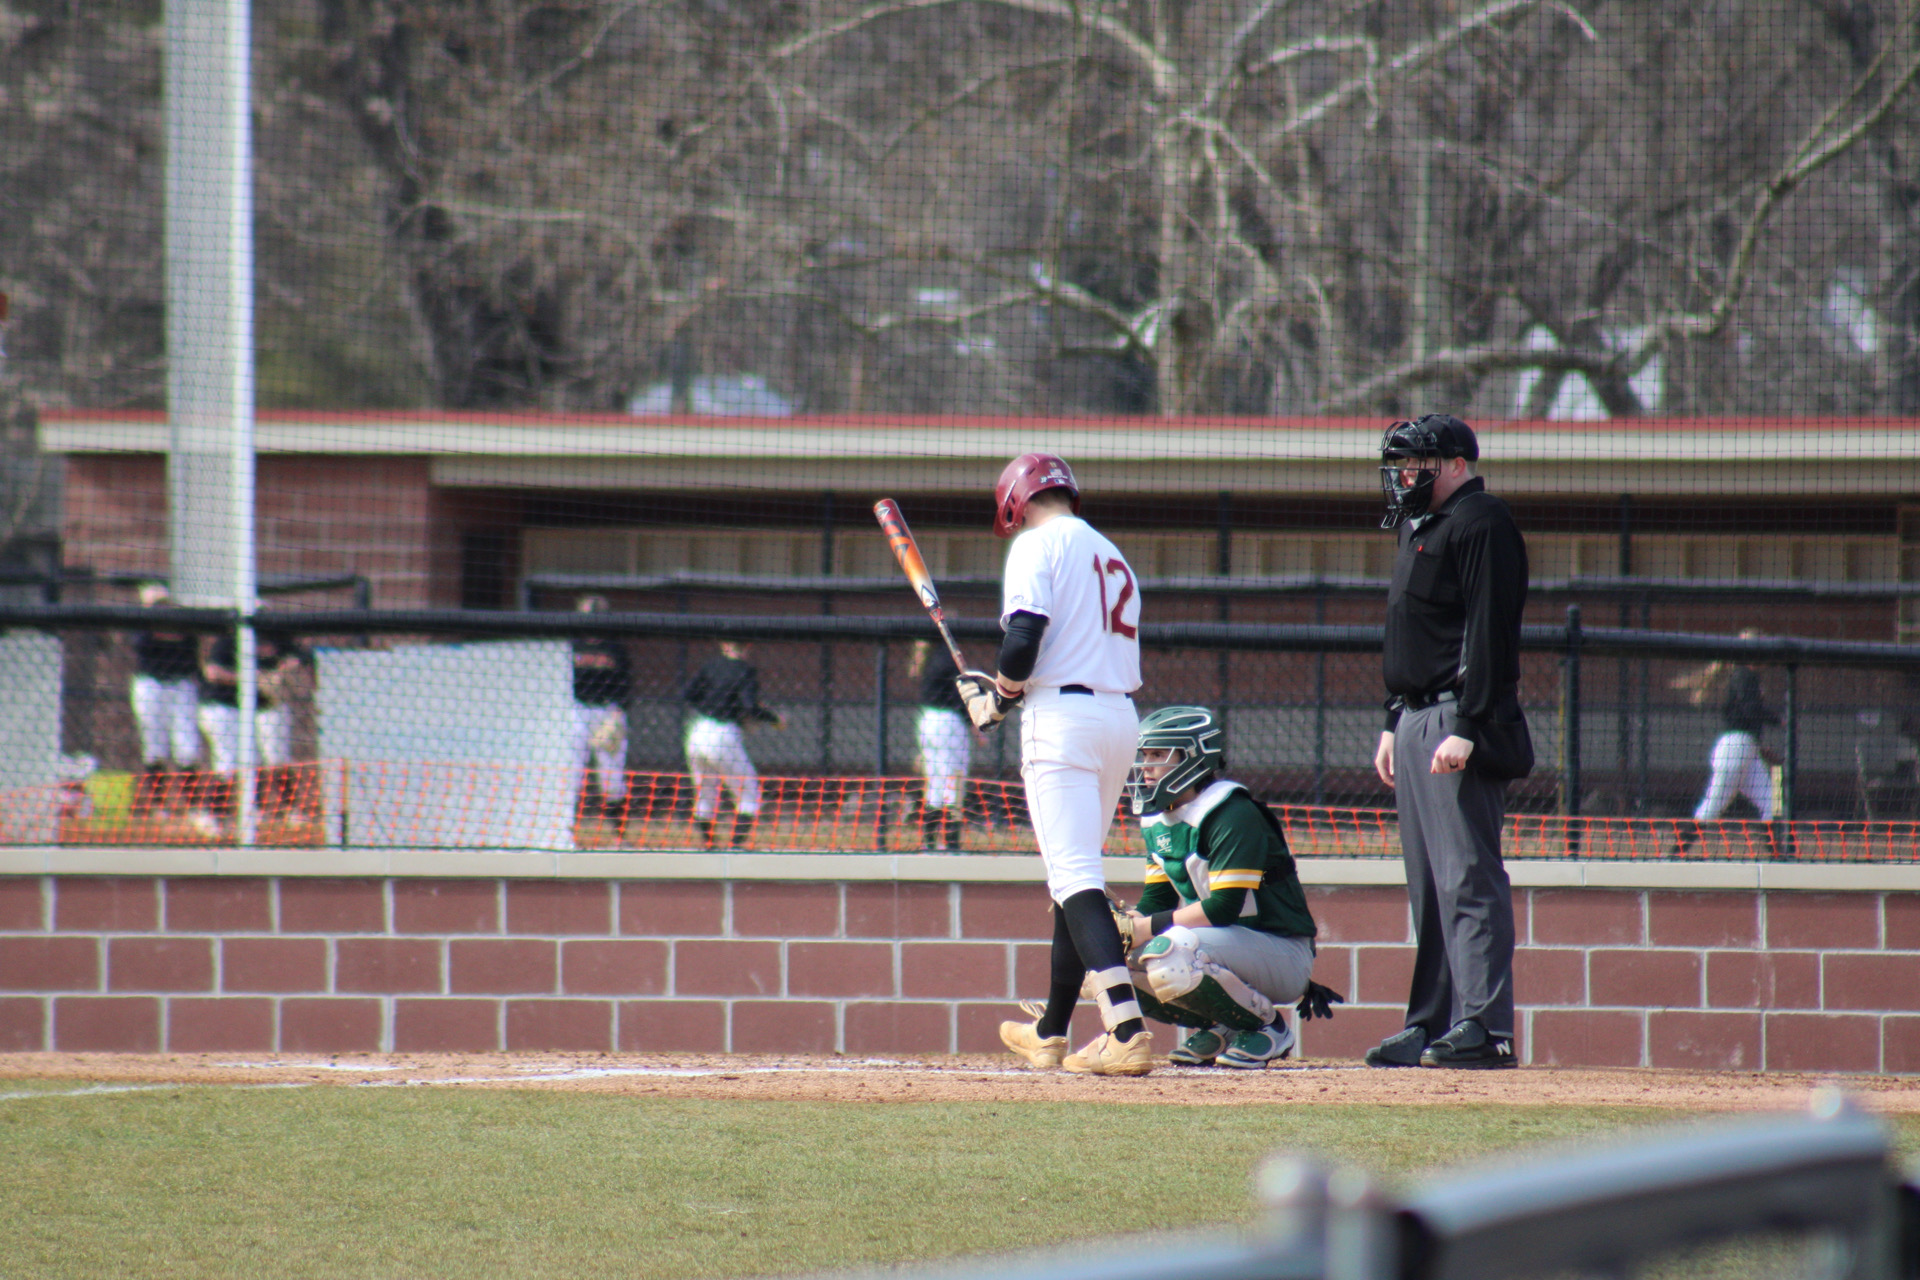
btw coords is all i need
(272, 735)
(1737, 764)
(717, 756)
(166, 711)
(1075, 751)
(610, 763)
(946, 754)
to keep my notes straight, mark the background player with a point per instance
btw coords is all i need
(1738, 761)
(276, 658)
(1222, 936)
(602, 683)
(1071, 611)
(725, 695)
(946, 748)
(166, 695)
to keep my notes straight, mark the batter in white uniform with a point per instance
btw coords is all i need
(1071, 612)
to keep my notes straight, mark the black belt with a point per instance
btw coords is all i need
(1076, 688)
(1421, 701)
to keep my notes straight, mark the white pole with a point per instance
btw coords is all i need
(209, 259)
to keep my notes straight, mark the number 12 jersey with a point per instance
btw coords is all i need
(1069, 573)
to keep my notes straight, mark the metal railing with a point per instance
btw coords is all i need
(1826, 1177)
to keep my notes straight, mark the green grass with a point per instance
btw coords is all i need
(208, 1182)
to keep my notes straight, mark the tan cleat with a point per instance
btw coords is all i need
(1109, 1057)
(1022, 1039)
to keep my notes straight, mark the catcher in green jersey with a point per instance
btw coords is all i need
(1221, 937)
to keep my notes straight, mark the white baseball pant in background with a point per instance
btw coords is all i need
(610, 763)
(165, 711)
(272, 735)
(946, 755)
(1075, 749)
(716, 756)
(1737, 763)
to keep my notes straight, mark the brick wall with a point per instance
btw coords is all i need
(315, 517)
(1776, 980)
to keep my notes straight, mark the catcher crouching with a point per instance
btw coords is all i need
(1221, 940)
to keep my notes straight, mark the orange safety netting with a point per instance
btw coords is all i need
(471, 806)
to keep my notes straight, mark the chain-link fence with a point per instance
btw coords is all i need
(464, 729)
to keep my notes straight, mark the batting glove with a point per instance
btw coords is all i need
(986, 704)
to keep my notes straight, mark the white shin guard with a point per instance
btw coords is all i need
(1181, 973)
(1113, 992)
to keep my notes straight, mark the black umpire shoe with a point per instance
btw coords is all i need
(1402, 1050)
(1468, 1046)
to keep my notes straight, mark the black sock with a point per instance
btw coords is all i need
(1090, 921)
(1063, 982)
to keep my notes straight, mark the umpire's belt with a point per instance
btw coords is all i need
(1421, 701)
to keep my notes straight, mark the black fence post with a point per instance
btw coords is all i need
(1623, 667)
(1570, 725)
(1790, 765)
(1644, 730)
(1223, 607)
(1320, 701)
(826, 648)
(880, 769)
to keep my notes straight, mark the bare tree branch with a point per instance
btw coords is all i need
(1471, 362)
(1813, 152)
(1418, 55)
(1161, 69)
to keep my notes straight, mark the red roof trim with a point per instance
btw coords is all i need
(894, 422)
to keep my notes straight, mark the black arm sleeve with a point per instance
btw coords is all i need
(1158, 896)
(1492, 562)
(1021, 647)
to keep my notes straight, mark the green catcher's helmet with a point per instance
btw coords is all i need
(1194, 736)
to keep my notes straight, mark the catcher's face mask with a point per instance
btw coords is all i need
(1178, 747)
(1152, 768)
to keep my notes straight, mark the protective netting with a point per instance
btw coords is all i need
(485, 308)
(448, 741)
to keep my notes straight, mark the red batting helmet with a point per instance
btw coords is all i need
(1026, 475)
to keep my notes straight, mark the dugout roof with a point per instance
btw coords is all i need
(1653, 456)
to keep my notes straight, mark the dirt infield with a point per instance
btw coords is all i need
(962, 1078)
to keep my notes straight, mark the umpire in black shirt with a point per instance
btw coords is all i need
(1454, 738)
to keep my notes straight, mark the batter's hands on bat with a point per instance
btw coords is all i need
(986, 704)
(1383, 758)
(1451, 755)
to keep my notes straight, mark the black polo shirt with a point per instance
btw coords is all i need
(728, 689)
(937, 689)
(602, 672)
(1453, 611)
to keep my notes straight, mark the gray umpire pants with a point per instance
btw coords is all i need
(1456, 883)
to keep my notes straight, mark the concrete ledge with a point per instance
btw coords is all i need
(523, 864)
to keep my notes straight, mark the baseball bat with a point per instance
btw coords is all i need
(907, 552)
